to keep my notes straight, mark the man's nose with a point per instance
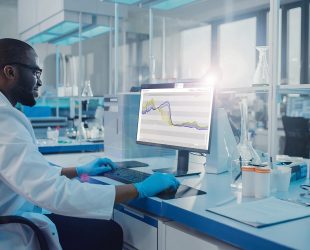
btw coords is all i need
(39, 82)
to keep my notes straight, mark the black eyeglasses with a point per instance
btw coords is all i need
(305, 187)
(35, 70)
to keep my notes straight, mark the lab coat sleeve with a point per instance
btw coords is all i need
(24, 169)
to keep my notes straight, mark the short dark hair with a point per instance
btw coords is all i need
(13, 50)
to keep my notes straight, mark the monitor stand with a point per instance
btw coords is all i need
(182, 167)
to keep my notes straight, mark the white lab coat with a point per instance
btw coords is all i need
(28, 182)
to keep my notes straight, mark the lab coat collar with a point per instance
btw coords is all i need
(4, 100)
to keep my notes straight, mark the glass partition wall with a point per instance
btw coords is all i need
(76, 75)
(293, 95)
(212, 41)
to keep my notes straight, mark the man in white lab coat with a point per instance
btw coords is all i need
(28, 183)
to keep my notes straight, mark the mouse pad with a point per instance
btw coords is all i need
(181, 192)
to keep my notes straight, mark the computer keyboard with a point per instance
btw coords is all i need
(126, 175)
(129, 176)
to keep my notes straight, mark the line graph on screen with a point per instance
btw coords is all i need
(175, 117)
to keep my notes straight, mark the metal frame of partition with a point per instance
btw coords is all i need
(304, 41)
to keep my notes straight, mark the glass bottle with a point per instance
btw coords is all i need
(261, 75)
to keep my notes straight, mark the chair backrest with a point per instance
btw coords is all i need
(21, 220)
(297, 136)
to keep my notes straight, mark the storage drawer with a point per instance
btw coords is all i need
(182, 238)
(140, 231)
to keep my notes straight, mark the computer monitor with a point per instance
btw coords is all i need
(178, 118)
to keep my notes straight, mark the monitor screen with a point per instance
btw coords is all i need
(178, 118)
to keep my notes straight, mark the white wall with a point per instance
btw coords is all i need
(95, 58)
(8, 19)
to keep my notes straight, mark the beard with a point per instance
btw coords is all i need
(24, 96)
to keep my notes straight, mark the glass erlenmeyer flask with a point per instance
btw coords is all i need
(87, 91)
(255, 157)
(243, 145)
(261, 75)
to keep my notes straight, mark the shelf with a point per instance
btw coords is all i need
(294, 89)
(244, 90)
(72, 97)
(281, 89)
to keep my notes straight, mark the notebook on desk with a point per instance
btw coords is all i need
(263, 213)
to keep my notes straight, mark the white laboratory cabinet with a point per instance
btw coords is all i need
(145, 232)
(181, 238)
(138, 232)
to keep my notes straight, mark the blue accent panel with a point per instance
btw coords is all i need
(149, 205)
(71, 148)
(41, 38)
(37, 111)
(126, 1)
(219, 230)
(63, 28)
(95, 31)
(146, 219)
(170, 4)
(68, 40)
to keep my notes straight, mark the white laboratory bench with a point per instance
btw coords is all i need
(184, 223)
(65, 145)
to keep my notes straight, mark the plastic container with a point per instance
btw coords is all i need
(52, 134)
(282, 177)
(248, 175)
(262, 182)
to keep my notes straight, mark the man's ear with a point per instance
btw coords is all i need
(9, 72)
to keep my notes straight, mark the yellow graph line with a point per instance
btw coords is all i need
(164, 114)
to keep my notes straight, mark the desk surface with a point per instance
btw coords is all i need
(191, 211)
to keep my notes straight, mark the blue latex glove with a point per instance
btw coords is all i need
(98, 166)
(155, 184)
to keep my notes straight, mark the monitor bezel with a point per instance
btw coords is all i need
(190, 149)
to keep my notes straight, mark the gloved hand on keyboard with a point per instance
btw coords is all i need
(98, 166)
(155, 184)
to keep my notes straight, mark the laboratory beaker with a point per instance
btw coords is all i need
(87, 91)
(261, 75)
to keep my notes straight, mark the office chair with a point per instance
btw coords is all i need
(21, 220)
(297, 136)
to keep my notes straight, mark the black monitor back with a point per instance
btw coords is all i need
(297, 136)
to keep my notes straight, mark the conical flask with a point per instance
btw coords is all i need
(87, 91)
(261, 75)
(243, 145)
(255, 157)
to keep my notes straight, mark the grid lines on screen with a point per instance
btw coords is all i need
(176, 117)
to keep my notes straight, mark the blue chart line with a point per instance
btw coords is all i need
(166, 116)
